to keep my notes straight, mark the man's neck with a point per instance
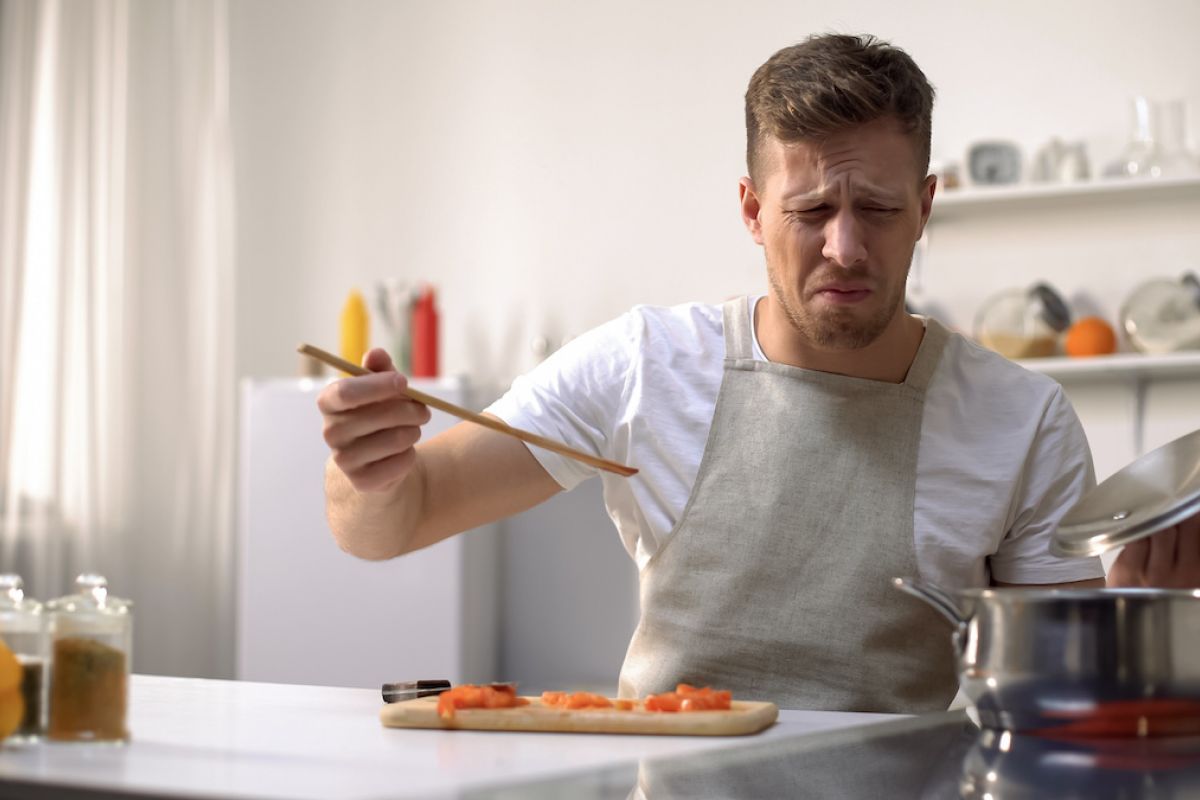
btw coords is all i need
(888, 358)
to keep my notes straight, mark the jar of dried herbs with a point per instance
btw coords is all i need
(23, 631)
(91, 641)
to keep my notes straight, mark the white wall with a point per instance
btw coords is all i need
(549, 164)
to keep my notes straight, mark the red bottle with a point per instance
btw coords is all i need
(425, 335)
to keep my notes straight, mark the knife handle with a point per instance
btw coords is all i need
(411, 690)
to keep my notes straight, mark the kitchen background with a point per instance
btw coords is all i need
(547, 165)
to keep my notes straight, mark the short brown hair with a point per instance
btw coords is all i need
(833, 82)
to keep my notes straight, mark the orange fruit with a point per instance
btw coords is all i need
(1090, 336)
(10, 669)
(12, 710)
(12, 704)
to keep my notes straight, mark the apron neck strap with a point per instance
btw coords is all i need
(928, 355)
(739, 342)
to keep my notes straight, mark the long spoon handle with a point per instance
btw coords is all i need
(471, 416)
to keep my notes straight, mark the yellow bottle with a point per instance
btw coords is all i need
(355, 324)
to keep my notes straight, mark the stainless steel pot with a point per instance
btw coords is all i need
(1076, 662)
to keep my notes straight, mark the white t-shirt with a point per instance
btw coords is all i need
(1002, 455)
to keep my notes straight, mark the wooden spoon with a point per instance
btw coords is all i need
(471, 416)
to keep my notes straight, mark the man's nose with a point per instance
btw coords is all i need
(845, 244)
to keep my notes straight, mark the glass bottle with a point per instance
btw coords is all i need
(23, 632)
(91, 639)
(1174, 157)
(1140, 157)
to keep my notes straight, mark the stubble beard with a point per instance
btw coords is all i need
(834, 328)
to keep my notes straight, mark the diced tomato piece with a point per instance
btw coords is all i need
(624, 705)
(471, 696)
(576, 700)
(689, 698)
(587, 700)
(667, 701)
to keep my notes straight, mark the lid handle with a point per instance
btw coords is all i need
(12, 587)
(89, 584)
(1054, 310)
(1193, 285)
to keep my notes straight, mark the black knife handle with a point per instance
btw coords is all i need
(410, 690)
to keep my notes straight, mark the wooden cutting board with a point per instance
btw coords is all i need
(745, 717)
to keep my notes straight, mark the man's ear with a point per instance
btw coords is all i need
(751, 208)
(928, 189)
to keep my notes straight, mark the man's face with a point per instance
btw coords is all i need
(838, 220)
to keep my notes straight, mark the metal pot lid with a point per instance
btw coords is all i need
(1160, 489)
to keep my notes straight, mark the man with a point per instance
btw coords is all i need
(796, 449)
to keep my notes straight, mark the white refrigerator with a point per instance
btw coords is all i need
(309, 613)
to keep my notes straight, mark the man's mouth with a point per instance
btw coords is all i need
(843, 294)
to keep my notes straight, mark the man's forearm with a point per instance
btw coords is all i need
(373, 525)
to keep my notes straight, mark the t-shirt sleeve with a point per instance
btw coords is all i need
(573, 397)
(1057, 474)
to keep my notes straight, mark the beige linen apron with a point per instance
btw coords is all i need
(775, 582)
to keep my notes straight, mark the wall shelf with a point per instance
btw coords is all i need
(1135, 366)
(958, 203)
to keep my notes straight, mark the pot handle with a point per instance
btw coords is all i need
(942, 602)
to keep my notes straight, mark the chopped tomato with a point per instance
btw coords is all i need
(624, 705)
(576, 700)
(689, 698)
(667, 701)
(472, 696)
(588, 700)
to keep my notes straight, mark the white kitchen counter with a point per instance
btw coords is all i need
(228, 739)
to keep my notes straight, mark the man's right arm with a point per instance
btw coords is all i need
(385, 496)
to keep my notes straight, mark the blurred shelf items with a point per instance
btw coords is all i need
(1155, 161)
(408, 318)
(1160, 317)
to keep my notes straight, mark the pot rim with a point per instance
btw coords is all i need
(1024, 594)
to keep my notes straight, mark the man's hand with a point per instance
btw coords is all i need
(386, 497)
(371, 425)
(1170, 559)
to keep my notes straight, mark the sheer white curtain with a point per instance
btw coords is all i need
(116, 310)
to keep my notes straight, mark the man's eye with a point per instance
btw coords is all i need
(881, 210)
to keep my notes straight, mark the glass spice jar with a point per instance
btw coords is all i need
(91, 640)
(22, 631)
(1023, 323)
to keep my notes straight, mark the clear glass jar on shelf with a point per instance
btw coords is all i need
(1163, 315)
(91, 641)
(23, 631)
(1023, 323)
